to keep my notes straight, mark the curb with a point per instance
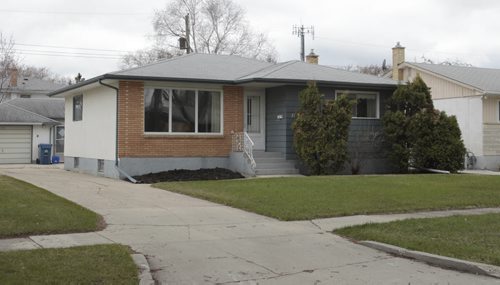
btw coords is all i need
(437, 260)
(145, 277)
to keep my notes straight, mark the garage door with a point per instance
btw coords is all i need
(15, 144)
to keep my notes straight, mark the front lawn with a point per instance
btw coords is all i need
(301, 198)
(100, 264)
(474, 238)
(26, 210)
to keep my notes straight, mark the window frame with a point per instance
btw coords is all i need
(195, 133)
(76, 162)
(498, 111)
(56, 129)
(100, 165)
(81, 115)
(377, 96)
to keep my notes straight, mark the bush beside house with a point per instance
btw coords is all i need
(419, 135)
(321, 131)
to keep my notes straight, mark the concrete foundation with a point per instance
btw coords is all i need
(89, 166)
(143, 165)
(490, 162)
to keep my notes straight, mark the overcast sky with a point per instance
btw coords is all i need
(355, 32)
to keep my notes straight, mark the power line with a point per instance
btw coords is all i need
(72, 13)
(389, 47)
(67, 52)
(67, 55)
(68, 47)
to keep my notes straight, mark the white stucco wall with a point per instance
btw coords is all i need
(94, 135)
(41, 134)
(469, 113)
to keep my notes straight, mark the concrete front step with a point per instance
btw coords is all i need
(273, 163)
(283, 164)
(262, 160)
(276, 171)
(267, 154)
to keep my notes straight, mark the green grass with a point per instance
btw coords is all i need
(474, 238)
(301, 198)
(100, 264)
(26, 209)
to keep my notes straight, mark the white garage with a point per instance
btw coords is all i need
(22, 128)
(15, 144)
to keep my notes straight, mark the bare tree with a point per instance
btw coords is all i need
(373, 69)
(216, 26)
(8, 62)
(146, 56)
(454, 62)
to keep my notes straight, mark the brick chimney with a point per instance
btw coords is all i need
(13, 77)
(312, 58)
(398, 57)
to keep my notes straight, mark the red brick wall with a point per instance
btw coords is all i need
(132, 142)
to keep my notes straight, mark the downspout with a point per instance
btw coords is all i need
(116, 133)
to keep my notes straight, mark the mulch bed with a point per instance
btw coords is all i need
(188, 175)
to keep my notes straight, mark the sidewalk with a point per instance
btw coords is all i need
(192, 241)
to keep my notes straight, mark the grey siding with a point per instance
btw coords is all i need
(276, 129)
(365, 144)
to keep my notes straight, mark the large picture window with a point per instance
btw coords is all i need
(367, 103)
(182, 111)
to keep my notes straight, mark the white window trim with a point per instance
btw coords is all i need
(498, 111)
(73, 108)
(377, 94)
(196, 133)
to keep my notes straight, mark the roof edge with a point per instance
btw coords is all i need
(33, 113)
(463, 84)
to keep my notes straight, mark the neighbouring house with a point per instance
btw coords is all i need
(26, 123)
(471, 94)
(205, 111)
(18, 86)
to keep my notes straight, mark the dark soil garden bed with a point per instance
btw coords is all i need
(188, 175)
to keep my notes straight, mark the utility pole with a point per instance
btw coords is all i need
(300, 31)
(188, 32)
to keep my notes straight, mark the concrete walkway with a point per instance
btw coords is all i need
(191, 241)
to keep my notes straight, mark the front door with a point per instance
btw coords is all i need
(59, 142)
(255, 117)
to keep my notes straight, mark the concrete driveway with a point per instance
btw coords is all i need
(191, 241)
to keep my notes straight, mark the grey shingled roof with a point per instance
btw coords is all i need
(10, 114)
(48, 107)
(300, 71)
(32, 85)
(230, 69)
(194, 66)
(484, 79)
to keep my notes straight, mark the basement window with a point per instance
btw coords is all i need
(366, 106)
(100, 165)
(182, 111)
(76, 162)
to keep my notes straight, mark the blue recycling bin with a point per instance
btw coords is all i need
(44, 151)
(55, 159)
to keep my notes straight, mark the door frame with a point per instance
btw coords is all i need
(259, 139)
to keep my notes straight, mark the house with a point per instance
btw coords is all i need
(25, 123)
(471, 94)
(28, 117)
(18, 86)
(205, 111)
